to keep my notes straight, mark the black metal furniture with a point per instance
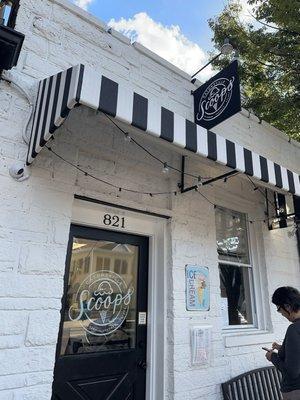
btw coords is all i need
(258, 384)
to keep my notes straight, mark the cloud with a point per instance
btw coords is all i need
(166, 41)
(83, 3)
(245, 13)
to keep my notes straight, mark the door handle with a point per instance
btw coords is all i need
(142, 364)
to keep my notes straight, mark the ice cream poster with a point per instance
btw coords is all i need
(197, 288)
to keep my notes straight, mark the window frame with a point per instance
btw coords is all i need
(256, 263)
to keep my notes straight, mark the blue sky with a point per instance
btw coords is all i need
(190, 15)
(176, 30)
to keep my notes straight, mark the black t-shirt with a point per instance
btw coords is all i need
(287, 360)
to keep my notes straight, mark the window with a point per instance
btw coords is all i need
(86, 264)
(106, 262)
(99, 263)
(124, 267)
(235, 268)
(117, 266)
(79, 266)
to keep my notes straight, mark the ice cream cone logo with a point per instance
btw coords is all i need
(201, 285)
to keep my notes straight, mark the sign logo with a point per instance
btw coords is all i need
(102, 303)
(215, 99)
(218, 99)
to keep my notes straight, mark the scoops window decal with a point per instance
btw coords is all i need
(103, 298)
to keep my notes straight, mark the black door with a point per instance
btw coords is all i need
(101, 351)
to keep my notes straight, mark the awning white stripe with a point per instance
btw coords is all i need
(256, 166)
(240, 160)
(297, 182)
(202, 147)
(179, 130)
(221, 150)
(285, 182)
(125, 104)
(154, 118)
(91, 87)
(271, 171)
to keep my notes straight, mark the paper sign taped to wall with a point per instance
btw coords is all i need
(200, 345)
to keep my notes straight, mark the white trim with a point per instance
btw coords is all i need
(89, 214)
(255, 337)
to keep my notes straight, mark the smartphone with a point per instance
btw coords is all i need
(266, 349)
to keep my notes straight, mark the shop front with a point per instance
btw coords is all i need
(139, 258)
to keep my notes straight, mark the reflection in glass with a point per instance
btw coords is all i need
(232, 240)
(235, 293)
(100, 312)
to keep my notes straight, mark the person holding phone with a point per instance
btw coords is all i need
(287, 359)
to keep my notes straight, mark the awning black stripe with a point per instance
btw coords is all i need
(264, 169)
(212, 146)
(108, 96)
(278, 176)
(64, 106)
(140, 111)
(53, 127)
(191, 136)
(79, 86)
(291, 181)
(39, 119)
(32, 136)
(231, 156)
(248, 162)
(167, 125)
(42, 140)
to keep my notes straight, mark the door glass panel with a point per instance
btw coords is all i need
(100, 312)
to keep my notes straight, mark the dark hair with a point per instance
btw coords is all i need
(287, 295)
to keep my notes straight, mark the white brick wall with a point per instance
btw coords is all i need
(35, 215)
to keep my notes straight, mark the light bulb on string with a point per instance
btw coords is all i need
(199, 182)
(127, 137)
(165, 169)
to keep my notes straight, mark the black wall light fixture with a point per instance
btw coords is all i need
(10, 40)
(11, 43)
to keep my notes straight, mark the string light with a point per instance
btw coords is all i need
(199, 183)
(257, 188)
(149, 153)
(165, 169)
(127, 137)
(151, 194)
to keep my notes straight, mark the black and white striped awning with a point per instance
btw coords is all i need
(58, 94)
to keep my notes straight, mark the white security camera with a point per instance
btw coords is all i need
(19, 171)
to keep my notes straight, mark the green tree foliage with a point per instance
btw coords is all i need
(269, 52)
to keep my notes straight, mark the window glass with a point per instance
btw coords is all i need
(235, 294)
(100, 312)
(232, 240)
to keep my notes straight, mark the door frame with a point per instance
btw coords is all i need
(91, 214)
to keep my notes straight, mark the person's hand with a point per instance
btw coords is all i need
(269, 355)
(276, 346)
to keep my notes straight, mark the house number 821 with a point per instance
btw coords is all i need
(113, 220)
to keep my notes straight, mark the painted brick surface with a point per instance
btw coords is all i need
(35, 215)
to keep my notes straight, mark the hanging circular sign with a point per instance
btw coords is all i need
(215, 99)
(102, 300)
